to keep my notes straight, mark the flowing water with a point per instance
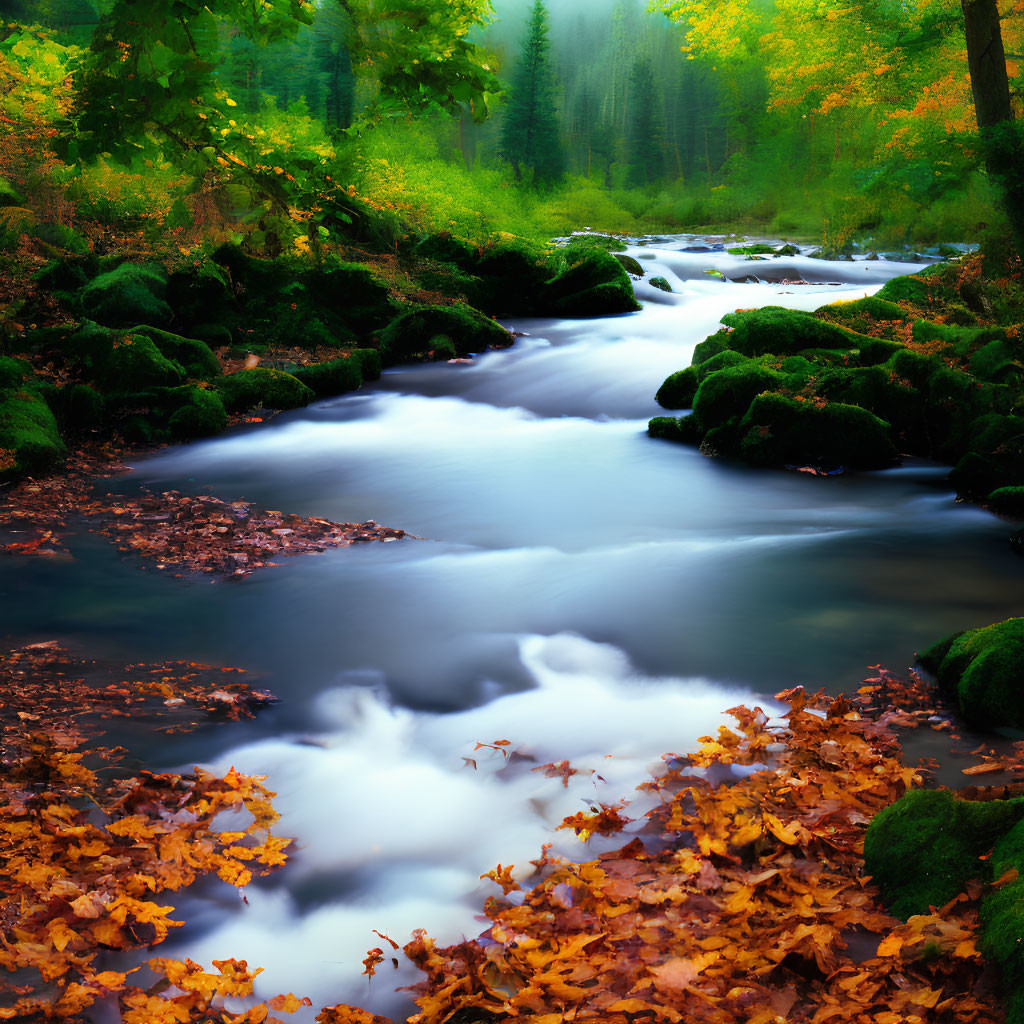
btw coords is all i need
(582, 591)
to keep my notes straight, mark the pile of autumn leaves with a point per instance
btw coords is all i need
(740, 899)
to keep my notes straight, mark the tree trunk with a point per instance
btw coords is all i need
(987, 62)
(1001, 138)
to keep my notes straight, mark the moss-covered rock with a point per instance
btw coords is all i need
(130, 294)
(13, 372)
(63, 276)
(444, 247)
(777, 430)
(30, 441)
(587, 282)
(193, 355)
(660, 283)
(333, 378)
(77, 408)
(727, 395)
(200, 293)
(369, 362)
(630, 265)
(983, 669)
(513, 274)
(272, 389)
(1007, 501)
(922, 850)
(996, 458)
(424, 330)
(782, 332)
(200, 412)
(119, 361)
(755, 249)
(9, 195)
(863, 315)
(679, 388)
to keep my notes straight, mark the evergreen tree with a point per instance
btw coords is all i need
(529, 136)
(643, 146)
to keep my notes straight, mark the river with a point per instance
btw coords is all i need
(581, 590)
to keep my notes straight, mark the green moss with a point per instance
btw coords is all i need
(777, 430)
(711, 346)
(272, 389)
(872, 351)
(444, 247)
(630, 265)
(199, 293)
(78, 408)
(660, 282)
(1007, 501)
(9, 195)
(587, 282)
(757, 249)
(199, 413)
(678, 390)
(999, 361)
(29, 439)
(369, 362)
(997, 458)
(63, 275)
(782, 332)
(333, 378)
(728, 393)
(513, 273)
(414, 333)
(911, 288)
(194, 356)
(13, 372)
(863, 315)
(923, 849)
(120, 361)
(130, 294)
(665, 427)
(983, 669)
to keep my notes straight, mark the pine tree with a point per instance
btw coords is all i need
(643, 145)
(529, 137)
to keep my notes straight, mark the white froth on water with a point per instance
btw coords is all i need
(393, 827)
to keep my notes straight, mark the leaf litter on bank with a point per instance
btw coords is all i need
(173, 530)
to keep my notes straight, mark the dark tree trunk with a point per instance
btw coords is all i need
(987, 62)
(1001, 137)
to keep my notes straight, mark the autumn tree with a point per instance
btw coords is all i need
(530, 137)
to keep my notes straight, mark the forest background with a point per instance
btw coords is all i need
(834, 122)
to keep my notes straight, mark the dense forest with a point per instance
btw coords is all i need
(262, 253)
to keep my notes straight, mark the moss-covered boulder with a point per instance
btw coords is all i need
(1007, 501)
(660, 283)
(120, 361)
(333, 378)
(30, 441)
(781, 332)
(13, 372)
(727, 395)
(272, 389)
(194, 356)
(444, 247)
(777, 430)
(863, 315)
(200, 293)
(995, 458)
(922, 850)
(421, 331)
(77, 407)
(630, 265)
(369, 362)
(64, 276)
(983, 670)
(679, 388)
(513, 272)
(200, 412)
(587, 282)
(167, 414)
(129, 294)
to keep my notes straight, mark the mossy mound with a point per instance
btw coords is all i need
(444, 247)
(30, 441)
(129, 294)
(862, 315)
(194, 356)
(660, 283)
(513, 273)
(77, 407)
(679, 389)
(199, 293)
(121, 361)
(757, 249)
(13, 372)
(983, 669)
(727, 394)
(781, 332)
(1007, 501)
(587, 282)
(272, 389)
(922, 850)
(777, 430)
(333, 378)
(369, 362)
(64, 276)
(425, 330)
(630, 265)
(995, 458)
(167, 414)
(9, 195)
